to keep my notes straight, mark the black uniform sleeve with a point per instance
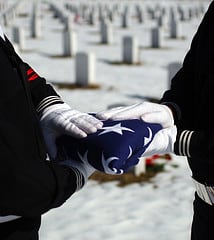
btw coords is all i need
(194, 143)
(30, 185)
(43, 94)
(187, 93)
(187, 84)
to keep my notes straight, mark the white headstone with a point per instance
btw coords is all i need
(140, 167)
(36, 26)
(85, 68)
(68, 21)
(130, 50)
(19, 37)
(106, 33)
(69, 43)
(156, 37)
(175, 29)
(36, 21)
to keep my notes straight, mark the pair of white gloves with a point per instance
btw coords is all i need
(61, 119)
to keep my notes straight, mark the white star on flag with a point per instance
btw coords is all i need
(115, 128)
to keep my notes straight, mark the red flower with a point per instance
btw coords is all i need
(155, 156)
(149, 161)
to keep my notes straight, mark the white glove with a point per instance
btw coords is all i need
(147, 111)
(163, 142)
(61, 119)
(84, 167)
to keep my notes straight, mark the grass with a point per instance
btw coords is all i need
(77, 86)
(129, 178)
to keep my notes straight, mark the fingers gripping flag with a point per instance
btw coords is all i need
(113, 149)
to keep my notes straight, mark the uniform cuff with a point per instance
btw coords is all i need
(48, 101)
(182, 144)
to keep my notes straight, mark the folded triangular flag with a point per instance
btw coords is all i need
(114, 149)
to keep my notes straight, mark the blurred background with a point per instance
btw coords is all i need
(100, 54)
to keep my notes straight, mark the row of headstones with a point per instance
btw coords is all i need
(19, 34)
(172, 24)
(106, 28)
(106, 31)
(92, 13)
(85, 68)
(85, 63)
(61, 13)
(130, 53)
(130, 44)
(35, 24)
(19, 38)
(70, 36)
(8, 12)
(3, 5)
(157, 33)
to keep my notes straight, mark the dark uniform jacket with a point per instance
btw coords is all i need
(192, 96)
(29, 184)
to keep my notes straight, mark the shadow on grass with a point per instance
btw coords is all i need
(120, 63)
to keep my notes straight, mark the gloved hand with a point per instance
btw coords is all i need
(147, 111)
(82, 168)
(61, 119)
(163, 142)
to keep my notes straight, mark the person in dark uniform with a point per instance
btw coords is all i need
(185, 112)
(32, 116)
